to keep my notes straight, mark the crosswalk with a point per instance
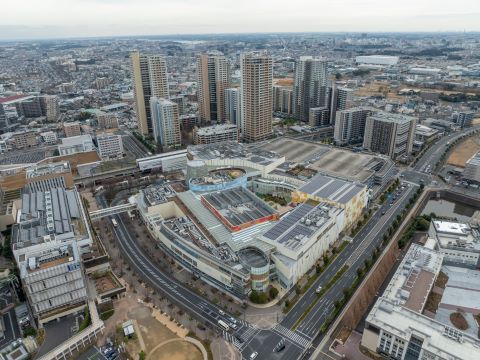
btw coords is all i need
(291, 335)
(231, 339)
(250, 332)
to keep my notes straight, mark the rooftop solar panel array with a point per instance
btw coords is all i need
(288, 222)
(334, 189)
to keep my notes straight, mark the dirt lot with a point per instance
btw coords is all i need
(284, 82)
(464, 151)
(378, 88)
(152, 333)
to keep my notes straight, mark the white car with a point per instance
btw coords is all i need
(254, 355)
(319, 288)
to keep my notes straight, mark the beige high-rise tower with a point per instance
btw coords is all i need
(149, 74)
(213, 77)
(256, 96)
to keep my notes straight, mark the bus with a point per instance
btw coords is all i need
(223, 325)
(114, 222)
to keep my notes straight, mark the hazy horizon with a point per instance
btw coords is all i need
(54, 19)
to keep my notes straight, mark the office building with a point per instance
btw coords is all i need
(110, 146)
(149, 74)
(319, 116)
(76, 144)
(340, 99)
(282, 99)
(213, 77)
(390, 134)
(398, 328)
(107, 120)
(232, 106)
(215, 133)
(256, 96)
(310, 86)
(472, 168)
(350, 125)
(459, 243)
(24, 139)
(166, 122)
(48, 240)
(72, 129)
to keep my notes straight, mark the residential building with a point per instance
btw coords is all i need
(166, 122)
(107, 120)
(149, 74)
(282, 99)
(340, 99)
(256, 96)
(51, 107)
(464, 118)
(319, 116)
(110, 146)
(72, 129)
(180, 100)
(101, 83)
(350, 125)
(30, 108)
(215, 133)
(49, 137)
(213, 77)
(24, 139)
(390, 134)
(472, 168)
(4, 123)
(76, 144)
(310, 86)
(232, 106)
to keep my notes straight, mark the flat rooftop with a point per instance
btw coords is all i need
(47, 169)
(238, 208)
(297, 227)
(326, 187)
(157, 194)
(216, 129)
(414, 278)
(54, 213)
(232, 150)
(328, 160)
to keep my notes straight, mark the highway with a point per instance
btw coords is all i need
(435, 152)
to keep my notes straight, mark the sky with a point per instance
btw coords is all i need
(36, 19)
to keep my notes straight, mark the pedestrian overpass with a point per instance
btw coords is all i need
(114, 210)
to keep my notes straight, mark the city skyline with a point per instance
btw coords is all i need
(98, 18)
